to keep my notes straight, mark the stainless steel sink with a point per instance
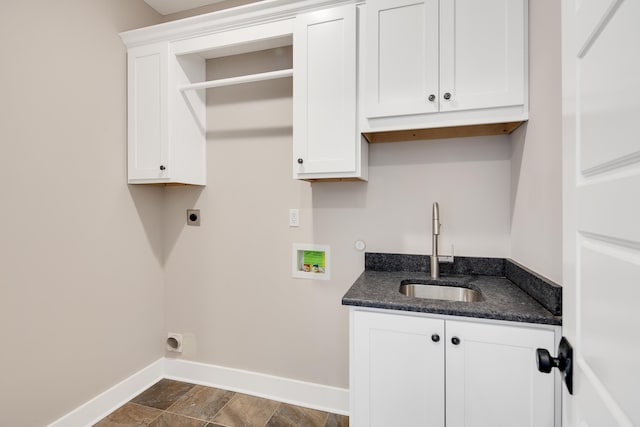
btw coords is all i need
(440, 292)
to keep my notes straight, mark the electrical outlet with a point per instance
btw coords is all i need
(193, 217)
(446, 258)
(294, 218)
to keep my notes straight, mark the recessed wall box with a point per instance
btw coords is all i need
(311, 261)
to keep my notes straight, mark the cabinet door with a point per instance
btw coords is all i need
(492, 376)
(324, 92)
(397, 371)
(482, 61)
(147, 112)
(401, 57)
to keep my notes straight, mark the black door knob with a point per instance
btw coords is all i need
(564, 362)
(546, 362)
(455, 340)
(435, 337)
(300, 161)
(162, 167)
(447, 96)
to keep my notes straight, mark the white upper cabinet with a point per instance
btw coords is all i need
(481, 54)
(167, 87)
(360, 70)
(326, 143)
(165, 128)
(401, 49)
(147, 130)
(166, 138)
(436, 63)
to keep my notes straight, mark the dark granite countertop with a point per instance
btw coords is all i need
(504, 300)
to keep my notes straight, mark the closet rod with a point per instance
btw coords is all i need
(238, 80)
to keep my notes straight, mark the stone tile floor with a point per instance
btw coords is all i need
(171, 403)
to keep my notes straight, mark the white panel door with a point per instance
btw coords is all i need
(601, 151)
(147, 112)
(492, 376)
(482, 45)
(401, 57)
(397, 371)
(324, 92)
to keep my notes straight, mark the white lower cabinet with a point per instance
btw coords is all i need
(411, 371)
(397, 370)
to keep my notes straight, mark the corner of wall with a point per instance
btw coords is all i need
(536, 163)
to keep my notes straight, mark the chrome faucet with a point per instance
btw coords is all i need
(435, 232)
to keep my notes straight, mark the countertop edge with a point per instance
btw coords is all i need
(553, 321)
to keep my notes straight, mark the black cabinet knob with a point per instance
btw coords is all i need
(447, 95)
(432, 97)
(193, 217)
(435, 337)
(455, 340)
(300, 161)
(162, 167)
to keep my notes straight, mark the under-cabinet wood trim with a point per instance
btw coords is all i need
(442, 132)
(165, 184)
(312, 180)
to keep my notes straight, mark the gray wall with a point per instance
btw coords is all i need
(536, 203)
(81, 282)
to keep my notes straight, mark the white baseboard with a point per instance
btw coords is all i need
(310, 395)
(301, 393)
(110, 400)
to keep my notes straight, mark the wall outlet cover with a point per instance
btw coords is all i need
(294, 218)
(193, 217)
